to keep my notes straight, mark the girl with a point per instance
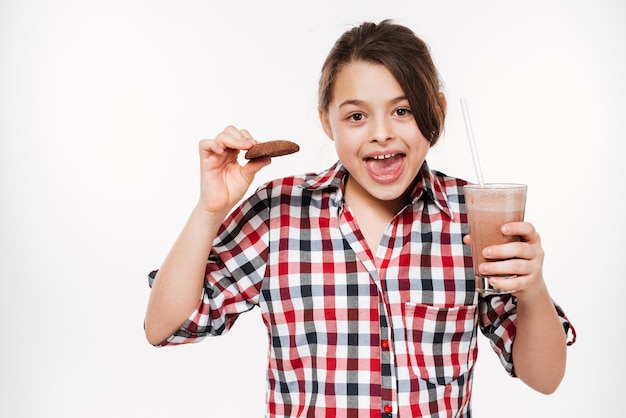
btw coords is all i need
(361, 271)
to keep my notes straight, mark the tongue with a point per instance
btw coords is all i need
(384, 168)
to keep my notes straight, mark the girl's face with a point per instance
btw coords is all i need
(375, 133)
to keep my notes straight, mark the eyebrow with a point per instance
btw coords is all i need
(357, 102)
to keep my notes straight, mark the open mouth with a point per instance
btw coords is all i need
(385, 168)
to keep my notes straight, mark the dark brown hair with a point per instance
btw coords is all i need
(405, 55)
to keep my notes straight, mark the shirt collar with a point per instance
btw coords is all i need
(331, 178)
(428, 185)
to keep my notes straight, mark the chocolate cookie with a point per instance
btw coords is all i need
(272, 149)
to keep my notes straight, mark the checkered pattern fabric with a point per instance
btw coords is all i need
(354, 331)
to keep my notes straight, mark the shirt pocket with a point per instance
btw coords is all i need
(440, 341)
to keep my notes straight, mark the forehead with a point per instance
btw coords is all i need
(365, 81)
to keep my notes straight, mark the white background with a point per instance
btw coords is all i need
(102, 105)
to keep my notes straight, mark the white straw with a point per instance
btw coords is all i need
(470, 136)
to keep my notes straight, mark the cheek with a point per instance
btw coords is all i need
(347, 154)
(342, 149)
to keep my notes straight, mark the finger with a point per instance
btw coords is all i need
(229, 138)
(212, 146)
(236, 138)
(511, 267)
(510, 284)
(525, 230)
(467, 239)
(517, 249)
(247, 135)
(253, 166)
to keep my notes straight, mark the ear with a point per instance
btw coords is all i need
(325, 124)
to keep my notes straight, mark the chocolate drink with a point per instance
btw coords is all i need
(488, 208)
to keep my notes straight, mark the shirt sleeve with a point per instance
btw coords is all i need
(234, 273)
(498, 318)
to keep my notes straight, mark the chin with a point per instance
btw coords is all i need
(389, 195)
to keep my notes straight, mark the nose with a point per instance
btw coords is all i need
(381, 129)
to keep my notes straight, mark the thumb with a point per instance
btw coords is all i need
(467, 239)
(254, 166)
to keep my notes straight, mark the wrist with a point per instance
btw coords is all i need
(534, 294)
(208, 217)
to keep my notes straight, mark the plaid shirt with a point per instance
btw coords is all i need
(354, 332)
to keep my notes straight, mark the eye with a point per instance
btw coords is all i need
(403, 112)
(356, 117)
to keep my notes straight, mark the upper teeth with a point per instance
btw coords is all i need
(382, 157)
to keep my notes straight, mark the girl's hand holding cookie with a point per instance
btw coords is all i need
(223, 180)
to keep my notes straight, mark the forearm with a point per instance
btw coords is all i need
(539, 350)
(178, 284)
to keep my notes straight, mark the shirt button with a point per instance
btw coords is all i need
(385, 344)
(388, 409)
